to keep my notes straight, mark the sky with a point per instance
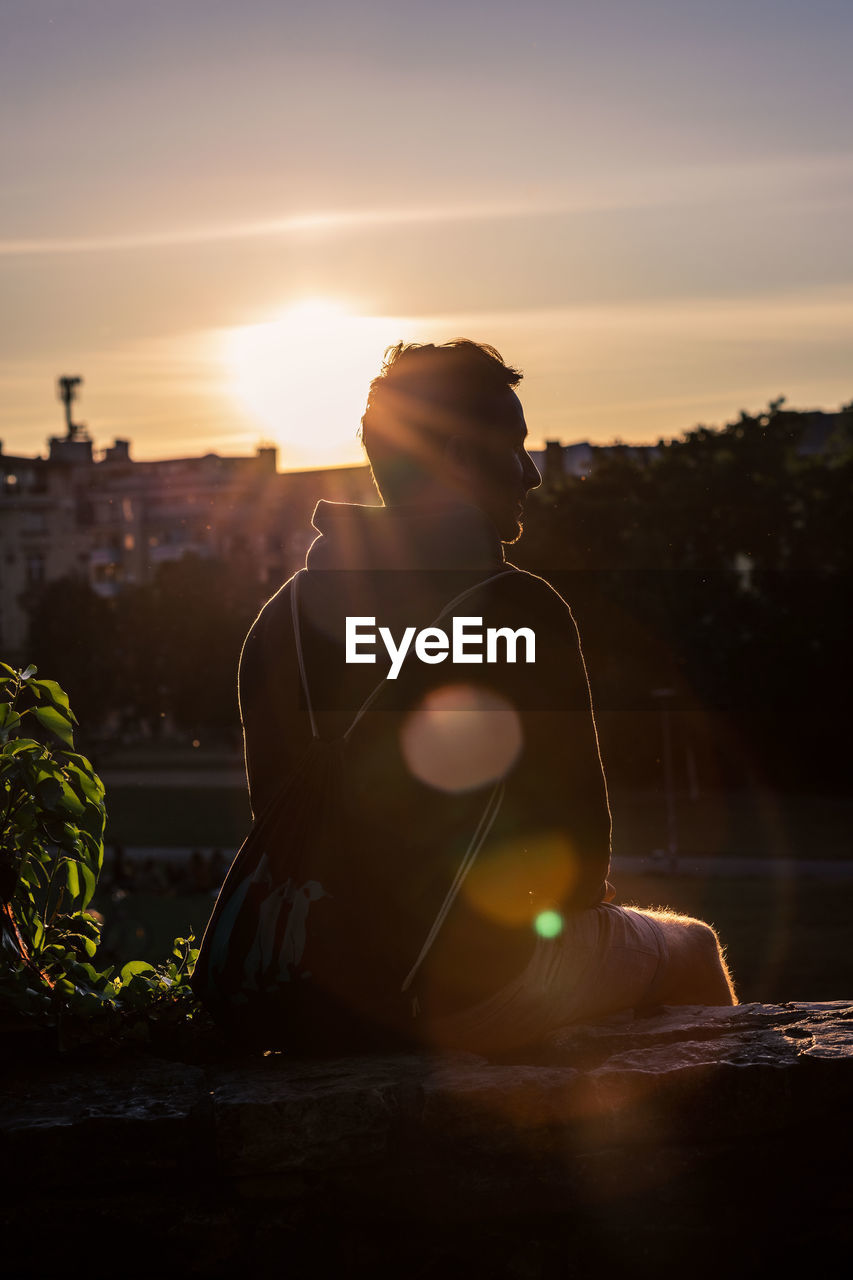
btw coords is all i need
(220, 214)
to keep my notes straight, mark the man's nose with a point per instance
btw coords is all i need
(532, 478)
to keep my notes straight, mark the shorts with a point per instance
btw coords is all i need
(604, 960)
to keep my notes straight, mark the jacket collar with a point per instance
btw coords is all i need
(451, 536)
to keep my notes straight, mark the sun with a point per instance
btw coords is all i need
(302, 377)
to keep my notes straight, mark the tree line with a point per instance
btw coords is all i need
(720, 571)
(157, 656)
(710, 580)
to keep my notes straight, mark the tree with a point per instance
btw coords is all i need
(73, 633)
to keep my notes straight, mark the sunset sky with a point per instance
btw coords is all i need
(219, 214)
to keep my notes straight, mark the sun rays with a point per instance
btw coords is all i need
(302, 377)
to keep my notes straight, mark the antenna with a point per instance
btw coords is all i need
(67, 390)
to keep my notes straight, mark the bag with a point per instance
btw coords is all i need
(285, 957)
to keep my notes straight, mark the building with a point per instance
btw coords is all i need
(113, 521)
(558, 462)
(816, 435)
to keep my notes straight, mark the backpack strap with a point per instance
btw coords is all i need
(493, 803)
(478, 839)
(300, 657)
(487, 819)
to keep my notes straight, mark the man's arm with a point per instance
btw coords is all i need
(265, 695)
(559, 786)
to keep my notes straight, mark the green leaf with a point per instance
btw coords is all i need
(94, 848)
(90, 883)
(71, 802)
(89, 926)
(57, 695)
(56, 723)
(9, 720)
(75, 938)
(49, 792)
(54, 952)
(53, 691)
(72, 878)
(81, 882)
(5, 667)
(96, 976)
(134, 967)
(34, 873)
(81, 761)
(89, 1003)
(93, 821)
(90, 785)
(26, 746)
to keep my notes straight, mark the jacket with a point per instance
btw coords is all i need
(434, 745)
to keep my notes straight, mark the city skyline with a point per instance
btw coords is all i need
(221, 217)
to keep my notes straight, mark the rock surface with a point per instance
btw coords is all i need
(722, 1132)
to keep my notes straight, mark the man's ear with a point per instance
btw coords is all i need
(459, 458)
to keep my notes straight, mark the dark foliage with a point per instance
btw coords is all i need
(168, 648)
(718, 569)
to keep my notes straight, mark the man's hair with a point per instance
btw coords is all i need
(424, 395)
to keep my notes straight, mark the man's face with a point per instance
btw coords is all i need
(502, 473)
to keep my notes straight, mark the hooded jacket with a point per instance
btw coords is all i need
(435, 742)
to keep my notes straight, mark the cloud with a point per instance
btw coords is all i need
(291, 225)
(811, 178)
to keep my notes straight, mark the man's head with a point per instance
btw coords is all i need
(444, 421)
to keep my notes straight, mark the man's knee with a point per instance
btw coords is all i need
(695, 971)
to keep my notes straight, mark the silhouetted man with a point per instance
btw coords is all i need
(469, 865)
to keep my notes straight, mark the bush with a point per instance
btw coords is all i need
(51, 854)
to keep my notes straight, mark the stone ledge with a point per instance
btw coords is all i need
(699, 1111)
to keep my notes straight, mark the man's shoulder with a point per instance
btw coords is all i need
(527, 591)
(274, 608)
(514, 595)
(268, 628)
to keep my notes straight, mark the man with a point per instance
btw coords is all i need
(463, 899)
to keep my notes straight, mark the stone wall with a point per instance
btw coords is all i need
(692, 1142)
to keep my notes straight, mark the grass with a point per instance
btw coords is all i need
(747, 823)
(785, 939)
(192, 817)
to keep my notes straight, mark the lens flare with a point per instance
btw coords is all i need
(548, 924)
(461, 737)
(518, 884)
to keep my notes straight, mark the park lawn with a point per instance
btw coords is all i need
(142, 926)
(175, 817)
(785, 939)
(745, 823)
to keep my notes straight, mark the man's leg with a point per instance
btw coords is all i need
(696, 972)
